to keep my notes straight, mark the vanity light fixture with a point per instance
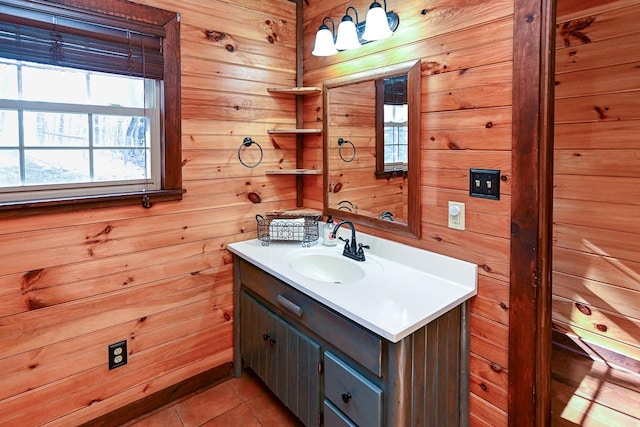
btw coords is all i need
(347, 32)
(379, 25)
(324, 44)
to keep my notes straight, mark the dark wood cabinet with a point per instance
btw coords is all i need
(331, 371)
(286, 361)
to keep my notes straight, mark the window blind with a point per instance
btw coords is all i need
(57, 34)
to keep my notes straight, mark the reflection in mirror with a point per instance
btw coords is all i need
(372, 148)
(392, 126)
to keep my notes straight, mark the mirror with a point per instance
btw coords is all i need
(372, 148)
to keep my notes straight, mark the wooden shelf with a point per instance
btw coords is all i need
(294, 172)
(295, 131)
(295, 90)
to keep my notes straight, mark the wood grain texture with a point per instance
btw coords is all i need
(596, 290)
(71, 283)
(466, 50)
(591, 392)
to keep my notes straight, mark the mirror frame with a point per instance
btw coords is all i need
(413, 70)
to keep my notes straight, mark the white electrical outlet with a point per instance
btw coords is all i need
(456, 215)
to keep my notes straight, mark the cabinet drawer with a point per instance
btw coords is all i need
(355, 341)
(350, 392)
(334, 418)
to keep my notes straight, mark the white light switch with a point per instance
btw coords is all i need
(456, 215)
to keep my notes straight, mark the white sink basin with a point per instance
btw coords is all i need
(329, 268)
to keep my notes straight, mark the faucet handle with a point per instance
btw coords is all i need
(362, 247)
(346, 242)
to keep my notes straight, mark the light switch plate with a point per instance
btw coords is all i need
(456, 215)
(484, 183)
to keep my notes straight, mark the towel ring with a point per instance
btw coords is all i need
(341, 143)
(342, 205)
(248, 142)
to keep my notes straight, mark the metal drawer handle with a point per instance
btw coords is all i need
(267, 336)
(346, 397)
(288, 305)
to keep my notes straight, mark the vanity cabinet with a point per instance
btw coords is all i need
(331, 371)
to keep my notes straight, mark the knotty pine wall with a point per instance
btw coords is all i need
(72, 283)
(596, 253)
(466, 53)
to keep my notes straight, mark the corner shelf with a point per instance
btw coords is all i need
(295, 131)
(298, 90)
(299, 173)
(294, 172)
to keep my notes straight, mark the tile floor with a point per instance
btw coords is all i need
(242, 402)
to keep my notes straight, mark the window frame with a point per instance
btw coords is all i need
(170, 117)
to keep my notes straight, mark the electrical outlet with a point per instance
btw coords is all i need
(117, 354)
(456, 215)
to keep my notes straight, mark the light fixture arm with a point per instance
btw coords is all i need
(346, 15)
(333, 25)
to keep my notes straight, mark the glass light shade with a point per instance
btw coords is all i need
(347, 35)
(324, 45)
(377, 26)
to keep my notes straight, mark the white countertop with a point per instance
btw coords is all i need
(404, 288)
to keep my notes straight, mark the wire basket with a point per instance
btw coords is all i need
(288, 227)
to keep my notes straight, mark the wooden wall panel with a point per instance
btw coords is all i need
(161, 278)
(466, 51)
(596, 285)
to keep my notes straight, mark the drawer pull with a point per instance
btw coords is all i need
(346, 397)
(267, 336)
(289, 306)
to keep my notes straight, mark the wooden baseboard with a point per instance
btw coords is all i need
(157, 400)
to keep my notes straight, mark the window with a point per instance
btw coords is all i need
(89, 105)
(392, 127)
(396, 137)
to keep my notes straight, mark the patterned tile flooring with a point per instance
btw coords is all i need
(241, 402)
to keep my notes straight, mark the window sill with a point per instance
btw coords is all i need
(143, 198)
(392, 174)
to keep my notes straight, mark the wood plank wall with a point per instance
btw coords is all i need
(596, 253)
(466, 53)
(72, 283)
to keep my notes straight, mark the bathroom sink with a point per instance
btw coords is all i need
(329, 268)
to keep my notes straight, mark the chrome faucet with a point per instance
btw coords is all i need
(352, 249)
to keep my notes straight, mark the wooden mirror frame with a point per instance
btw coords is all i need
(413, 70)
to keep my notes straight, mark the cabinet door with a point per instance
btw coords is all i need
(285, 359)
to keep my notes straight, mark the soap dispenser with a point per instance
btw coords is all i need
(327, 233)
